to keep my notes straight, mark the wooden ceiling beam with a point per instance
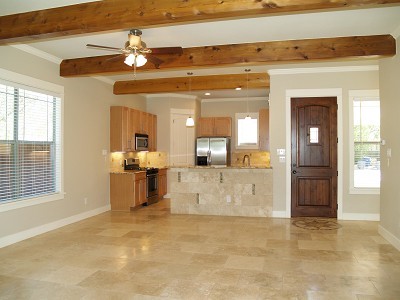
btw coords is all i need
(115, 15)
(192, 83)
(242, 55)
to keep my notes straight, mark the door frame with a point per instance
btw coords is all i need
(303, 93)
(184, 113)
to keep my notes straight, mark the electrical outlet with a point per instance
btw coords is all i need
(228, 199)
(85, 201)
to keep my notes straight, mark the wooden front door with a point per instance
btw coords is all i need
(314, 157)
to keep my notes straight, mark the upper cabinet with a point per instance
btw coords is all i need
(152, 132)
(263, 128)
(120, 136)
(217, 126)
(125, 122)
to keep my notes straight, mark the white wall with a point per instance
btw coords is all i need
(86, 134)
(390, 110)
(367, 205)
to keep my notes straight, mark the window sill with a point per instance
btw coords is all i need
(30, 202)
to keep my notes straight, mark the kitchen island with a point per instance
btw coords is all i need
(225, 191)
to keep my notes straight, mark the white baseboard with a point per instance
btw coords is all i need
(279, 214)
(360, 217)
(26, 234)
(387, 235)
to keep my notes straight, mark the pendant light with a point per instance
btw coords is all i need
(247, 94)
(190, 121)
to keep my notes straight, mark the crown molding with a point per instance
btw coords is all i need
(234, 99)
(104, 79)
(323, 70)
(396, 33)
(38, 53)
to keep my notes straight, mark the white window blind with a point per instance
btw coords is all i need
(30, 143)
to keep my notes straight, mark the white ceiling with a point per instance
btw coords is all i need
(272, 28)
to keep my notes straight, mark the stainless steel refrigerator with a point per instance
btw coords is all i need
(213, 151)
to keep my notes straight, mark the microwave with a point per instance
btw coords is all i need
(141, 142)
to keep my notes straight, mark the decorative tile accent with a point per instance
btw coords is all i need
(316, 223)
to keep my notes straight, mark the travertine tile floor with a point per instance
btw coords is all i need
(151, 254)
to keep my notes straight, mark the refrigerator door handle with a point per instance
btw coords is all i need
(209, 158)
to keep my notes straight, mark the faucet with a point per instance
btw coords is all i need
(244, 160)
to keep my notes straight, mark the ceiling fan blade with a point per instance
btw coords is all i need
(115, 57)
(154, 60)
(167, 50)
(104, 47)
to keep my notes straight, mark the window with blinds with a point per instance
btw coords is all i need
(30, 143)
(366, 140)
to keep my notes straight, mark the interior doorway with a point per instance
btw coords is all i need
(182, 139)
(314, 161)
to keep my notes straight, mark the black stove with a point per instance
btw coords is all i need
(137, 168)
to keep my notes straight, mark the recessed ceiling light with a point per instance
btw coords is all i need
(238, 88)
(207, 94)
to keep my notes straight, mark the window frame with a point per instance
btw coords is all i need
(352, 95)
(253, 115)
(17, 80)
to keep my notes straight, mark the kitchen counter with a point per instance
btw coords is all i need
(126, 171)
(228, 191)
(222, 167)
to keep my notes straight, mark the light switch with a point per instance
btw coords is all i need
(389, 153)
(104, 152)
(281, 151)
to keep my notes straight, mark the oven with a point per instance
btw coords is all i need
(151, 185)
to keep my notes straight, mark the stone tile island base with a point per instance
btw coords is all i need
(226, 191)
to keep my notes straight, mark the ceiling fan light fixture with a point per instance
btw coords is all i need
(129, 60)
(140, 60)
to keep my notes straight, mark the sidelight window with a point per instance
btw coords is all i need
(30, 144)
(365, 141)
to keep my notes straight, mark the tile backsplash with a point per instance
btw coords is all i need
(257, 158)
(146, 159)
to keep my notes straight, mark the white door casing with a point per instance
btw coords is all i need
(182, 138)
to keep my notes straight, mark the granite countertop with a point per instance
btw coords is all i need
(220, 167)
(127, 172)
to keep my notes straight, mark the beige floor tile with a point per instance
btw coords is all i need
(149, 254)
(245, 263)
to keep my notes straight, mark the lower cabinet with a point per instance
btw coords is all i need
(162, 183)
(127, 190)
(140, 188)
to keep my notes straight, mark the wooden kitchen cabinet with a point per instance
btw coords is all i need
(121, 139)
(162, 183)
(144, 126)
(125, 122)
(214, 126)
(122, 196)
(152, 127)
(263, 129)
(127, 190)
(134, 122)
(140, 188)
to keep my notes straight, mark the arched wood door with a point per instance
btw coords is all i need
(314, 157)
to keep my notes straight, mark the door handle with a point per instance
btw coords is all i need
(295, 172)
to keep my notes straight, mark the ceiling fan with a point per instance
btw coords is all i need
(136, 51)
